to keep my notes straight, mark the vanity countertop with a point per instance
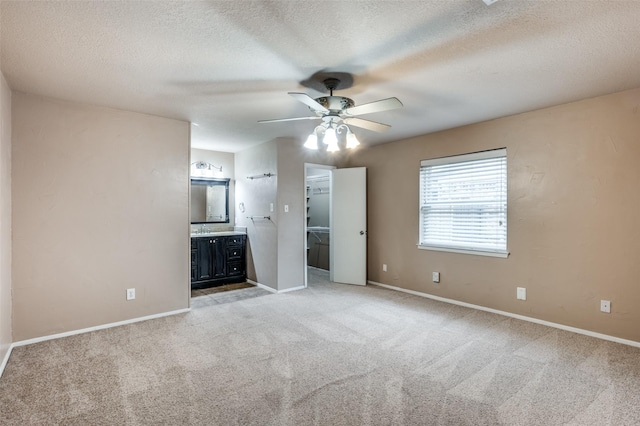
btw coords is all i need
(217, 234)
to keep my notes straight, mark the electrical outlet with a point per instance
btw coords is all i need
(605, 306)
(435, 276)
(286, 208)
(521, 293)
(384, 267)
(131, 293)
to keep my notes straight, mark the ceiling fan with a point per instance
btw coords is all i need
(338, 111)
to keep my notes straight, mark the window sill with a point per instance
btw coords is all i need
(503, 255)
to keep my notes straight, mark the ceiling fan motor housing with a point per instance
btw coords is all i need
(335, 104)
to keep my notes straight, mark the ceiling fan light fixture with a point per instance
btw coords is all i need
(330, 137)
(338, 111)
(352, 140)
(312, 141)
(333, 146)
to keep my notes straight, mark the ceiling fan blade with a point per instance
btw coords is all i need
(367, 124)
(309, 101)
(289, 119)
(377, 106)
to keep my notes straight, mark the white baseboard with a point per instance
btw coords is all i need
(97, 327)
(5, 359)
(273, 290)
(509, 314)
(287, 290)
(262, 286)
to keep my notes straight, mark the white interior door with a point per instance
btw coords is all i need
(348, 242)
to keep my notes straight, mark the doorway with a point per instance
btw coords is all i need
(317, 233)
(344, 240)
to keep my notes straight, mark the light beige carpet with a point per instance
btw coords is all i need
(328, 355)
(225, 294)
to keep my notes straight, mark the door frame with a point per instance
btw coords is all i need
(308, 166)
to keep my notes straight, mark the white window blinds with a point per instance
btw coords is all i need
(463, 203)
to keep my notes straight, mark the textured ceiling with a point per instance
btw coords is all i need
(227, 64)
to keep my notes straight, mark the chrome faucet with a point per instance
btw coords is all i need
(202, 228)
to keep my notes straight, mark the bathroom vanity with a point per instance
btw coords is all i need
(218, 258)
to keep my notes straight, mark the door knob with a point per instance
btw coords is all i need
(361, 232)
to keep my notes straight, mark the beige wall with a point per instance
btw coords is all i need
(256, 195)
(5, 218)
(100, 204)
(227, 161)
(292, 157)
(573, 202)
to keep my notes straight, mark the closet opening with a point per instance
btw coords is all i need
(318, 222)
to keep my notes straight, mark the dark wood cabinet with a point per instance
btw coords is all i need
(204, 269)
(217, 260)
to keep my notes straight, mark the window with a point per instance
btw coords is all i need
(463, 203)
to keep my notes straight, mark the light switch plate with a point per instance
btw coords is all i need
(605, 306)
(131, 293)
(435, 276)
(521, 293)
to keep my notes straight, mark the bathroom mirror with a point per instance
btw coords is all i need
(209, 200)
